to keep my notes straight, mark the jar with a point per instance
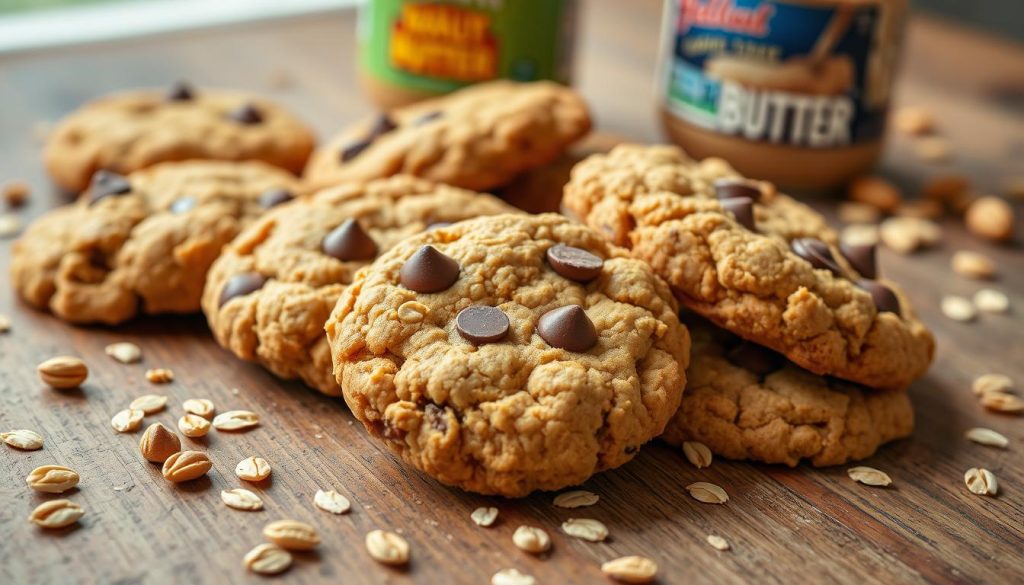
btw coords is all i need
(792, 91)
(414, 49)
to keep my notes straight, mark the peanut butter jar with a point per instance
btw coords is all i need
(792, 91)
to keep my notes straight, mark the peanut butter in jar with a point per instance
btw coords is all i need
(792, 91)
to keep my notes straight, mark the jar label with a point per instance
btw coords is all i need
(441, 45)
(810, 74)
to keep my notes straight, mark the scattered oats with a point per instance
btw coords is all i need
(988, 437)
(193, 426)
(10, 225)
(331, 501)
(512, 577)
(236, 420)
(199, 406)
(973, 265)
(186, 466)
(531, 539)
(16, 193)
(933, 149)
(708, 493)
(907, 234)
(860, 234)
(56, 514)
(484, 516)
(869, 476)
(5, 323)
(158, 443)
(160, 376)
(128, 420)
(981, 482)
(63, 372)
(632, 569)
(267, 559)
(149, 403)
(252, 469)
(585, 529)
(913, 120)
(241, 499)
(23, 439)
(988, 383)
(292, 535)
(718, 542)
(52, 479)
(1002, 403)
(125, 352)
(576, 499)
(387, 547)
(697, 453)
(958, 308)
(991, 301)
(854, 212)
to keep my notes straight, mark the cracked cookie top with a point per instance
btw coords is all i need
(269, 294)
(510, 354)
(754, 262)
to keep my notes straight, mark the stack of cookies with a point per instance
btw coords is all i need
(497, 351)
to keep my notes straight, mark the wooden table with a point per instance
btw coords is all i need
(785, 525)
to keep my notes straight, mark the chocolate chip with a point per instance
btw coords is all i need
(107, 184)
(885, 300)
(817, 253)
(435, 416)
(247, 114)
(861, 257)
(183, 204)
(241, 284)
(354, 149)
(729, 188)
(382, 125)
(755, 358)
(427, 118)
(742, 209)
(274, 197)
(180, 92)
(482, 324)
(574, 263)
(348, 241)
(429, 271)
(568, 328)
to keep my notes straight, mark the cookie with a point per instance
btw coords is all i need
(745, 401)
(510, 354)
(270, 293)
(129, 131)
(477, 138)
(141, 243)
(753, 261)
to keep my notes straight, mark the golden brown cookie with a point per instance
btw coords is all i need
(754, 262)
(269, 294)
(509, 354)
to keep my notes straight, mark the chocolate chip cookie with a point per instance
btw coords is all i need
(754, 262)
(141, 243)
(745, 401)
(126, 132)
(270, 293)
(476, 138)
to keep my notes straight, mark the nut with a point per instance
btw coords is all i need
(484, 516)
(907, 234)
(718, 542)
(708, 493)
(876, 192)
(585, 529)
(125, 352)
(236, 420)
(160, 376)
(253, 469)
(23, 439)
(991, 301)
(958, 308)
(158, 443)
(186, 466)
(531, 539)
(241, 499)
(512, 577)
(199, 406)
(1002, 403)
(576, 499)
(331, 501)
(149, 403)
(860, 234)
(56, 514)
(292, 535)
(127, 420)
(869, 476)
(267, 559)
(990, 218)
(981, 481)
(193, 426)
(387, 547)
(10, 225)
(16, 193)
(63, 372)
(854, 212)
(697, 453)
(52, 479)
(992, 383)
(632, 569)
(973, 265)
(988, 437)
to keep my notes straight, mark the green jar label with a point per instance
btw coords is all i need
(441, 45)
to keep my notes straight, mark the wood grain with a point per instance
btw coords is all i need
(785, 525)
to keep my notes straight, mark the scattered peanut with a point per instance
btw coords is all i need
(158, 443)
(63, 372)
(267, 559)
(193, 426)
(991, 301)
(52, 479)
(632, 569)
(23, 439)
(15, 193)
(876, 192)
(160, 376)
(292, 535)
(958, 308)
(990, 218)
(125, 352)
(914, 120)
(253, 469)
(56, 514)
(531, 539)
(973, 265)
(186, 466)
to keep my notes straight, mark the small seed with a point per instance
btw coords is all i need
(708, 493)
(991, 301)
(292, 535)
(160, 376)
(193, 426)
(876, 192)
(697, 453)
(913, 120)
(241, 499)
(990, 218)
(512, 577)
(987, 437)
(23, 439)
(718, 542)
(531, 539)
(149, 403)
(16, 193)
(1002, 403)
(869, 476)
(125, 352)
(52, 479)
(988, 383)
(127, 420)
(585, 529)
(933, 149)
(63, 372)
(56, 514)
(331, 501)
(236, 420)
(253, 469)
(267, 559)
(860, 234)
(576, 499)
(973, 265)
(958, 308)
(10, 225)
(981, 482)
(158, 443)
(484, 516)
(186, 466)
(632, 569)
(199, 406)
(387, 547)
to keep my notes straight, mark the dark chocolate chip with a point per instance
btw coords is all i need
(107, 184)
(729, 188)
(574, 263)
(429, 271)
(180, 92)
(886, 301)
(435, 416)
(862, 258)
(382, 125)
(241, 284)
(274, 197)
(568, 328)
(183, 204)
(349, 241)
(354, 149)
(247, 114)
(427, 118)
(755, 358)
(817, 253)
(742, 209)
(482, 324)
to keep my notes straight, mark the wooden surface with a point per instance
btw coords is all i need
(785, 525)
